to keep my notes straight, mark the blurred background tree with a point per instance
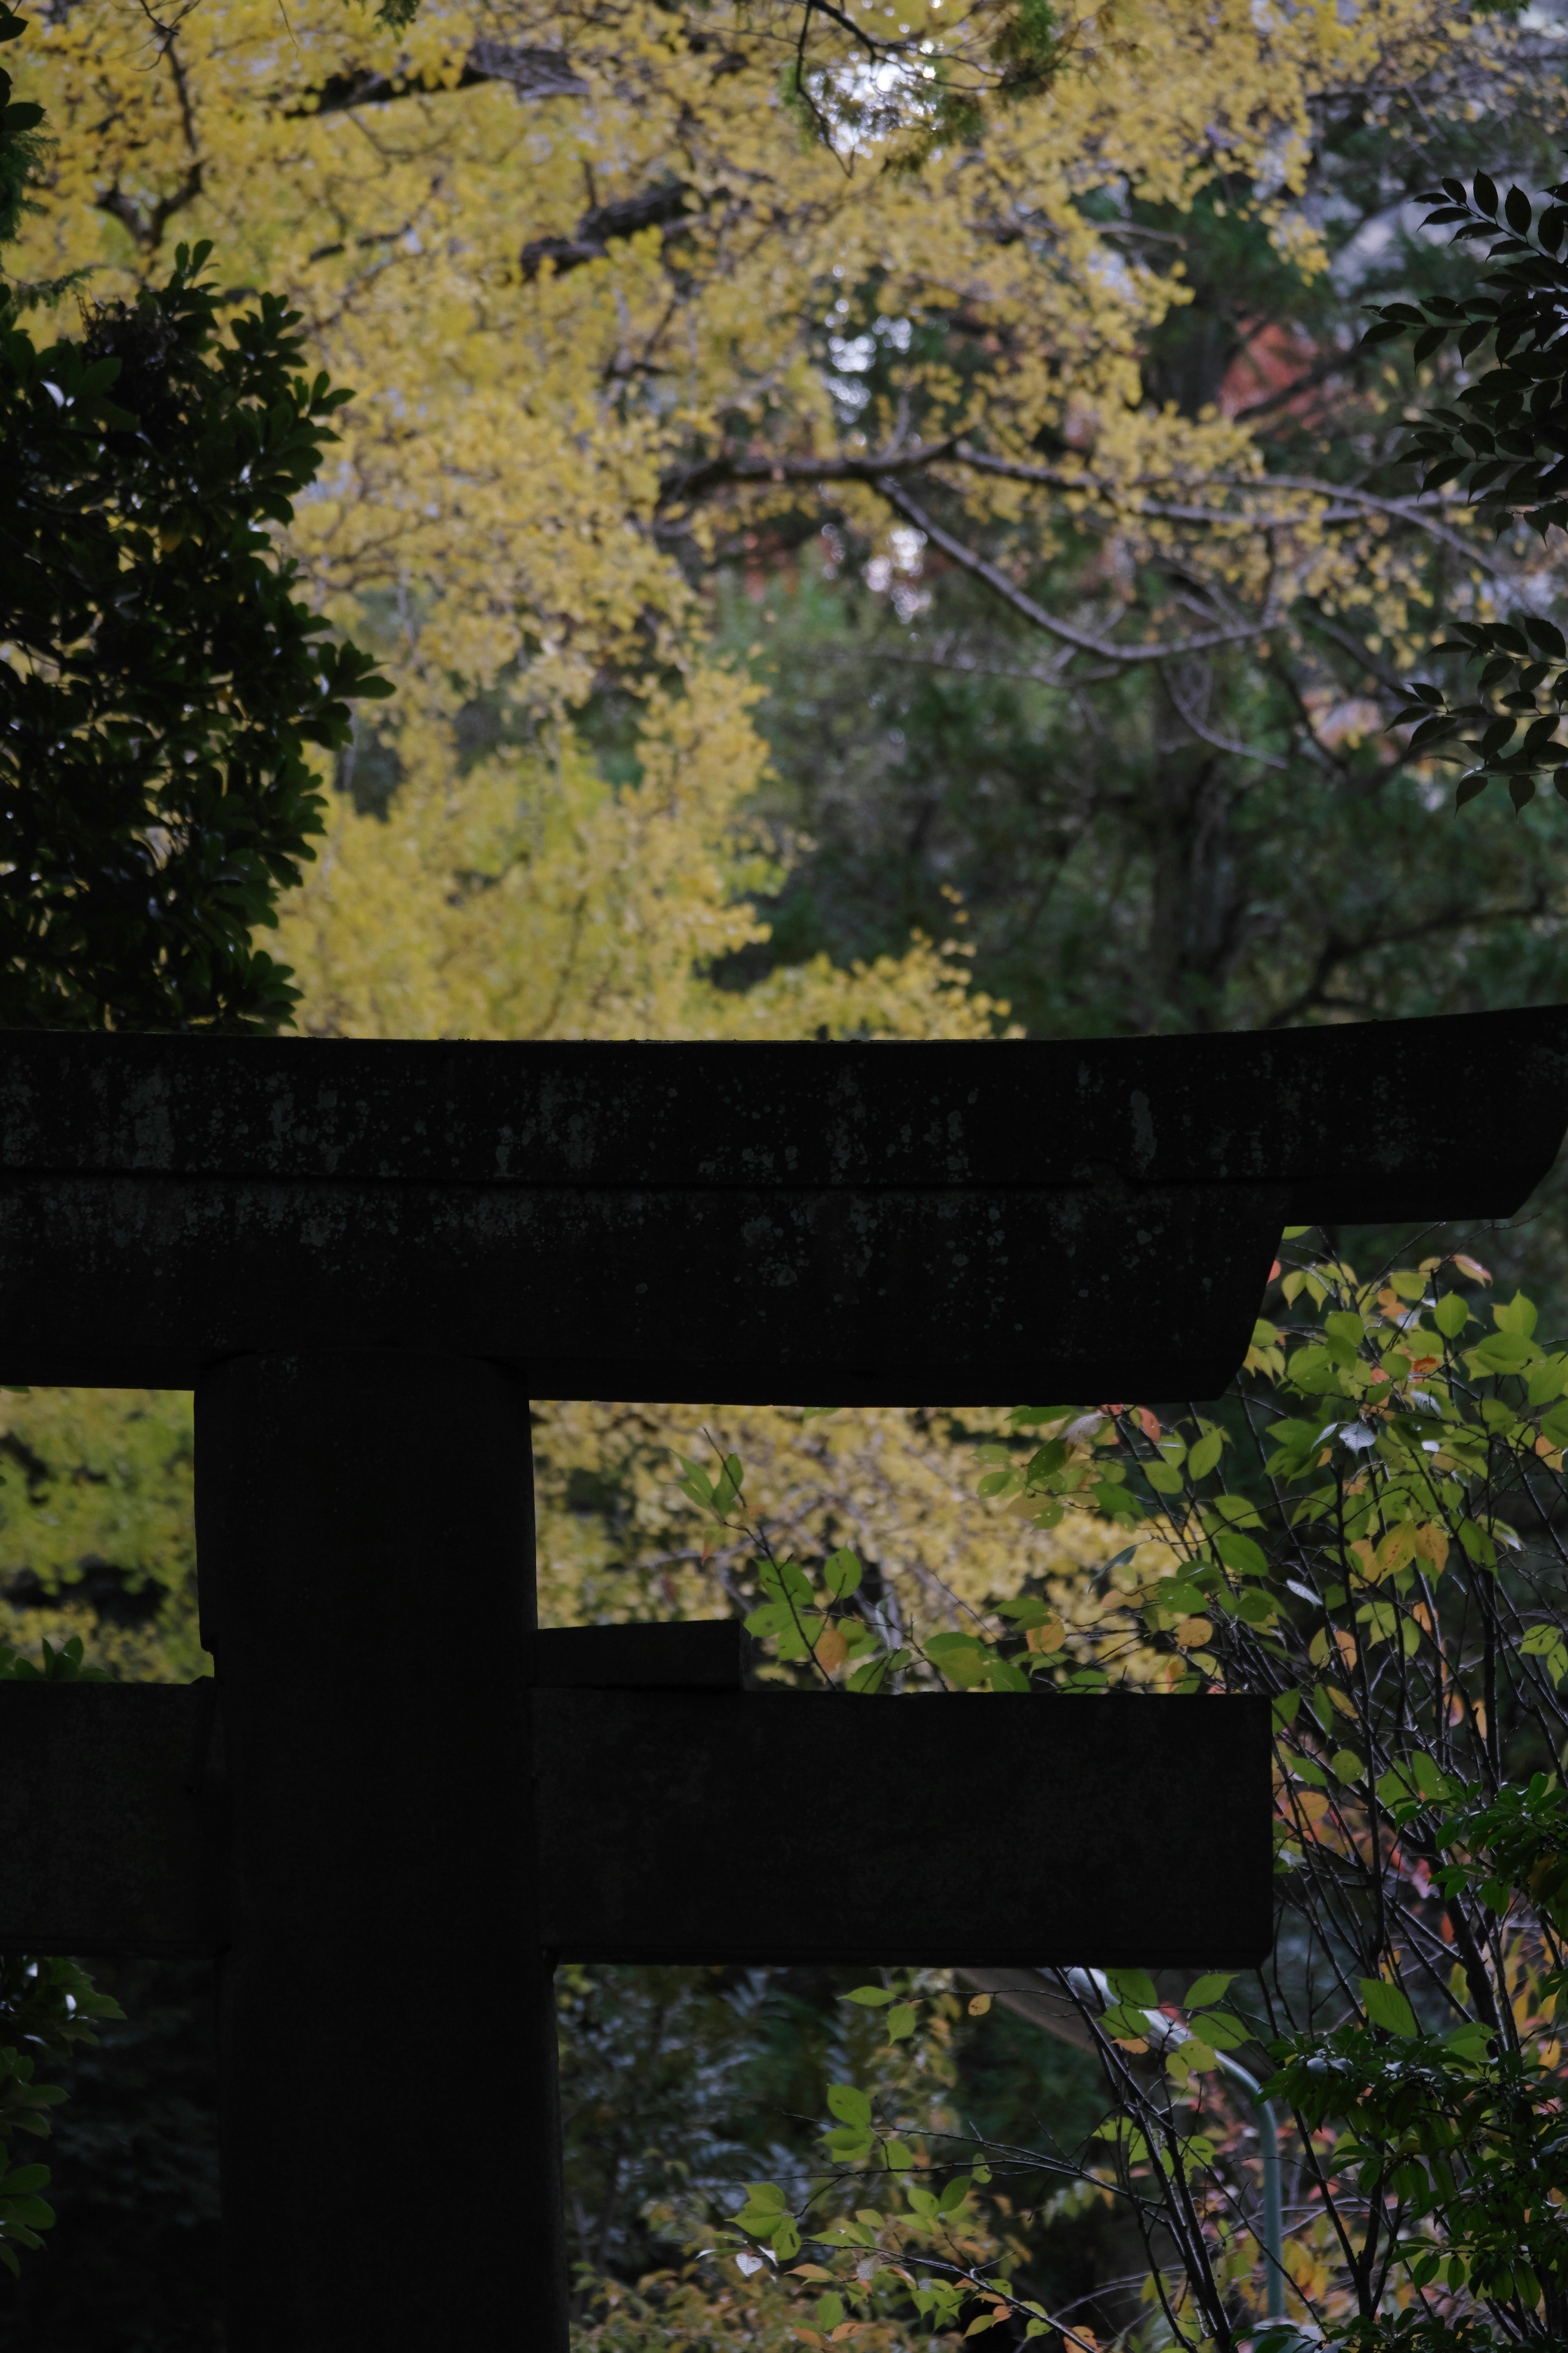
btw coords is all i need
(945, 422)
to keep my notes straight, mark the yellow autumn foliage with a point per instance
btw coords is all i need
(897, 1485)
(109, 1486)
(530, 898)
(540, 460)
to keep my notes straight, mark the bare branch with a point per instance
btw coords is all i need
(1189, 719)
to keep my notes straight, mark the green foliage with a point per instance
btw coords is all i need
(47, 2009)
(1109, 869)
(1370, 1531)
(164, 685)
(62, 1666)
(1504, 435)
(161, 686)
(96, 1534)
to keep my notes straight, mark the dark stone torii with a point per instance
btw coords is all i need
(399, 1802)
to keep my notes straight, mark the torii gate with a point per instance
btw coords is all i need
(364, 1257)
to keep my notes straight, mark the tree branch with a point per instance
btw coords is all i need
(1345, 501)
(658, 208)
(979, 568)
(693, 482)
(1216, 743)
(533, 73)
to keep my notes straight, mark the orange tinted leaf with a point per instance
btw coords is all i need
(832, 1649)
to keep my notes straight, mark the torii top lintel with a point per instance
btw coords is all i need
(853, 1223)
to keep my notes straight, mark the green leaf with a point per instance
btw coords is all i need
(876, 1672)
(1164, 1478)
(1386, 2006)
(1500, 1352)
(784, 1580)
(32, 2211)
(963, 1658)
(1397, 1787)
(1134, 1986)
(1126, 2022)
(23, 2178)
(1477, 1544)
(902, 2020)
(1231, 1512)
(841, 1574)
(727, 1486)
(849, 2104)
(1450, 1314)
(1220, 2030)
(785, 2240)
(1347, 1766)
(869, 1997)
(1210, 1989)
(1203, 1457)
(1239, 1553)
(1000, 1483)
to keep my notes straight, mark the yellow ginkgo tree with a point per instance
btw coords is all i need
(590, 270)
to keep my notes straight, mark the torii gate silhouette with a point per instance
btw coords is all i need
(386, 1812)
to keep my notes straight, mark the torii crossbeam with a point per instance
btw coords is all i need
(387, 1813)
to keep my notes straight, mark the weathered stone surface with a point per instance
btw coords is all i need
(675, 1820)
(1452, 1117)
(109, 1819)
(845, 1224)
(827, 1296)
(989, 1828)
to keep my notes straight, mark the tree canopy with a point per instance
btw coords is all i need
(161, 683)
(633, 311)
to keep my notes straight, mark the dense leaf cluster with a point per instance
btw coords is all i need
(1504, 433)
(1373, 1531)
(162, 682)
